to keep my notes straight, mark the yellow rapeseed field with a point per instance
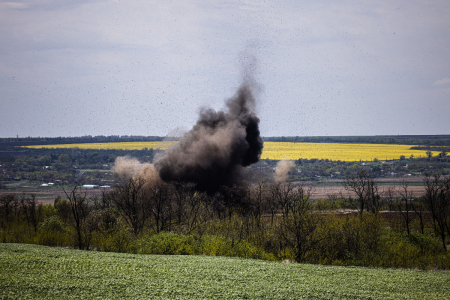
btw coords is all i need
(337, 151)
(283, 150)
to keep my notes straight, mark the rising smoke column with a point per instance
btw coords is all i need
(282, 170)
(129, 167)
(217, 149)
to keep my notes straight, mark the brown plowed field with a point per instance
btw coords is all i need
(319, 190)
(47, 196)
(334, 186)
(323, 191)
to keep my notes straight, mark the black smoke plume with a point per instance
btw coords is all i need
(217, 150)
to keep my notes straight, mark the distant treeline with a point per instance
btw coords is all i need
(425, 140)
(11, 155)
(9, 147)
(25, 141)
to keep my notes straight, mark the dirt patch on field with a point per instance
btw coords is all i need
(320, 190)
(324, 191)
(47, 196)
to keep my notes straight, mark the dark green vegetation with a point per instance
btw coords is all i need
(32, 167)
(272, 221)
(58, 166)
(79, 166)
(37, 272)
(423, 140)
(269, 220)
(22, 141)
(322, 170)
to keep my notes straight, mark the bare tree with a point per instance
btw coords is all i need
(9, 212)
(188, 206)
(419, 208)
(160, 206)
(196, 211)
(7, 207)
(80, 211)
(390, 195)
(258, 196)
(181, 192)
(301, 197)
(333, 199)
(404, 206)
(132, 200)
(235, 199)
(366, 190)
(106, 199)
(272, 202)
(283, 197)
(298, 226)
(32, 210)
(437, 200)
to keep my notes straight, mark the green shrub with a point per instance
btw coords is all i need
(427, 243)
(177, 244)
(345, 240)
(414, 251)
(113, 237)
(221, 246)
(52, 232)
(53, 223)
(324, 204)
(168, 243)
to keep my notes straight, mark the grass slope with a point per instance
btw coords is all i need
(38, 272)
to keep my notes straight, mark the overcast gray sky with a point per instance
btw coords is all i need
(103, 67)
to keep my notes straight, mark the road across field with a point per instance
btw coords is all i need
(320, 190)
(48, 195)
(323, 192)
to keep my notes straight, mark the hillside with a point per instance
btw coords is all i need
(38, 272)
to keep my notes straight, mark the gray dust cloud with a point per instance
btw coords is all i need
(215, 152)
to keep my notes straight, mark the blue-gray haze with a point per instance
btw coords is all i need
(103, 67)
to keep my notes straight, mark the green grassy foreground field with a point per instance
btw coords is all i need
(38, 272)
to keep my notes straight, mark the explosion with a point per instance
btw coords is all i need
(214, 153)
